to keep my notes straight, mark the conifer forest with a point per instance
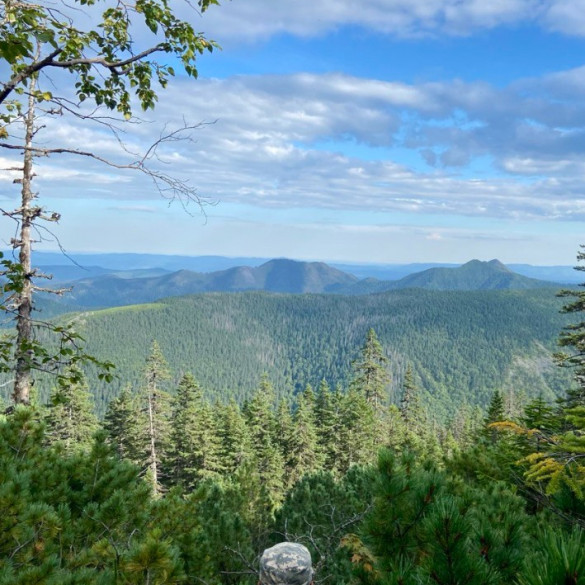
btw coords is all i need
(421, 436)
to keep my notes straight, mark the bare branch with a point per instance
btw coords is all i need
(165, 184)
(116, 66)
(246, 562)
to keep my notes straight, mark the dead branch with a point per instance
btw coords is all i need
(165, 184)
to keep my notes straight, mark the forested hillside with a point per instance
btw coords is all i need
(462, 345)
(175, 488)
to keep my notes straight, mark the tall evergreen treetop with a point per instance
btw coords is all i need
(370, 374)
(495, 412)
(328, 423)
(71, 421)
(235, 443)
(573, 337)
(120, 422)
(410, 406)
(156, 413)
(156, 369)
(195, 443)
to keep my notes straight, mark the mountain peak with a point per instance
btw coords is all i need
(491, 265)
(473, 275)
(495, 263)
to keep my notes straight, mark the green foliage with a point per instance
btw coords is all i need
(320, 510)
(108, 64)
(495, 412)
(267, 458)
(60, 350)
(328, 422)
(85, 518)
(357, 436)
(558, 559)
(71, 421)
(370, 374)
(504, 341)
(119, 424)
(223, 549)
(555, 440)
(304, 453)
(426, 527)
(195, 443)
(235, 441)
(573, 335)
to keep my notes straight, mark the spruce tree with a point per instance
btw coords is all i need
(411, 408)
(328, 423)
(358, 430)
(370, 374)
(419, 432)
(154, 420)
(573, 337)
(71, 421)
(283, 430)
(120, 424)
(304, 454)
(195, 444)
(235, 443)
(541, 418)
(495, 413)
(262, 426)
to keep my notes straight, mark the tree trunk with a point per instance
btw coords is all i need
(22, 379)
(153, 460)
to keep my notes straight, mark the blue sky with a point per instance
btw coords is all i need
(383, 131)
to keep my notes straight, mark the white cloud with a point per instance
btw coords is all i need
(566, 16)
(332, 141)
(258, 20)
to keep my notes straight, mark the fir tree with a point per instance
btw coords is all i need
(120, 424)
(370, 374)
(268, 459)
(420, 435)
(358, 431)
(573, 337)
(495, 413)
(154, 422)
(71, 421)
(195, 444)
(541, 417)
(304, 453)
(410, 406)
(328, 423)
(235, 443)
(283, 435)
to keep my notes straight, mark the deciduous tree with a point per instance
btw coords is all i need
(84, 59)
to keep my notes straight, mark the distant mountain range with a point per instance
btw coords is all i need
(474, 275)
(75, 266)
(285, 276)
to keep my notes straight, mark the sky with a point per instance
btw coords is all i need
(384, 131)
